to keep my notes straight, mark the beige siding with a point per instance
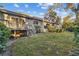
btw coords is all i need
(14, 22)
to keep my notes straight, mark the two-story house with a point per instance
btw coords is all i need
(19, 23)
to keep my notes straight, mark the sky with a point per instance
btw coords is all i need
(34, 9)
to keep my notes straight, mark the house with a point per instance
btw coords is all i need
(20, 24)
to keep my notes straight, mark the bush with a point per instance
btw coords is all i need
(50, 28)
(4, 36)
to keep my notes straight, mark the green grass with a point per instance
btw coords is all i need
(46, 44)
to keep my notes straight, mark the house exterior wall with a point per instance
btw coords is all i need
(30, 24)
(14, 22)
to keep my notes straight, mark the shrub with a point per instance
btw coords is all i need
(4, 36)
(50, 28)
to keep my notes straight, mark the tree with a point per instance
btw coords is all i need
(72, 6)
(75, 9)
(4, 36)
(68, 23)
(52, 17)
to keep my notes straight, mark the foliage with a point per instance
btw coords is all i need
(69, 6)
(48, 44)
(4, 36)
(50, 27)
(37, 28)
(53, 19)
(51, 13)
(68, 24)
(54, 28)
(75, 51)
(75, 9)
(51, 16)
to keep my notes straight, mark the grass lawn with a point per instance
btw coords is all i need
(46, 44)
